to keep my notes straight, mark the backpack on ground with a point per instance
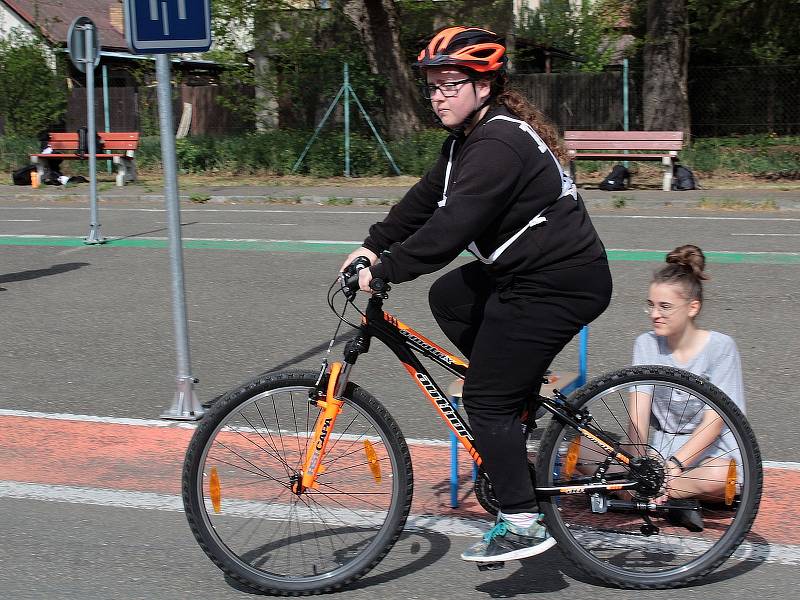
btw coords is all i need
(683, 179)
(618, 179)
(22, 176)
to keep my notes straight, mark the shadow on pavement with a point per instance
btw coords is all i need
(412, 552)
(37, 273)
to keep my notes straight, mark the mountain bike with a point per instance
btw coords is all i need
(300, 482)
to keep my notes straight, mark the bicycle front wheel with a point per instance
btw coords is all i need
(667, 531)
(238, 481)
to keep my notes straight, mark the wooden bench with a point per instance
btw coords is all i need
(117, 146)
(625, 145)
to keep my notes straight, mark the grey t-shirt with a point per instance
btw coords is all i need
(677, 414)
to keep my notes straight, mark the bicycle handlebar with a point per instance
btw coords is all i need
(349, 278)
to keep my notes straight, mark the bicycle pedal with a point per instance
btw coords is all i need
(490, 566)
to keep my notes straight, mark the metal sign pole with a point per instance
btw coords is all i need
(185, 406)
(94, 236)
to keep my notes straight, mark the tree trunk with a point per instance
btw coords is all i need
(378, 27)
(266, 104)
(666, 65)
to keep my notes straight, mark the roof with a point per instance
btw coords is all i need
(53, 18)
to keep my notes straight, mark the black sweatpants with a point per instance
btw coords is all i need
(511, 330)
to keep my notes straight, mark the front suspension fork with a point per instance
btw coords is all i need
(330, 406)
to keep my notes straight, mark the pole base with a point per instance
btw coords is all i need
(94, 237)
(185, 405)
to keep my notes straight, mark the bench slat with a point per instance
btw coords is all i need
(618, 155)
(676, 136)
(72, 156)
(621, 145)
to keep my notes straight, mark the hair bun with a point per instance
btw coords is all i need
(689, 257)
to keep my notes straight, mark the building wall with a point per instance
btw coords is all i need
(9, 20)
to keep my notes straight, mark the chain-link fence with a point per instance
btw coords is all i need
(742, 100)
(722, 100)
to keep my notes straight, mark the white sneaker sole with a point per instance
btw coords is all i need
(516, 554)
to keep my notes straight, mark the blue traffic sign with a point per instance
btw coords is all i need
(162, 26)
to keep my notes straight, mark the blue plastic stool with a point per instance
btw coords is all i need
(583, 348)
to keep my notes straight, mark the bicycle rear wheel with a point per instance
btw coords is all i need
(649, 547)
(237, 487)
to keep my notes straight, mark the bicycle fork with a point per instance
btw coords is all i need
(330, 406)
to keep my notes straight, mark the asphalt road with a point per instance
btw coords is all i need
(88, 331)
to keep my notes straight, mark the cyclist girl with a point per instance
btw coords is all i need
(697, 450)
(497, 190)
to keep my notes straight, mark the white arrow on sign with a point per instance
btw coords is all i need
(165, 24)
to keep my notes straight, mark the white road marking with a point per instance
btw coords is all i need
(768, 234)
(782, 554)
(231, 223)
(20, 220)
(226, 210)
(317, 210)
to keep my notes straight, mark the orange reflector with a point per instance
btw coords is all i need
(214, 490)
(572, 457)
(372, 458)
(730, 483)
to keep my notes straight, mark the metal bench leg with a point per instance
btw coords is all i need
(126, 170)
(121, 172)
(668, 162)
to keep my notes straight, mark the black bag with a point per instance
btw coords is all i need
(22, 176)
(83, 141)
(618, 179)
(683, 179)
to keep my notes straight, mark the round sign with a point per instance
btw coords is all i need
(81, 29)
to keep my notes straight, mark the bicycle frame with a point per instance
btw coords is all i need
(406, 343)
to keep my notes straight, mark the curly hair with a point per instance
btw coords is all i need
(520, 106)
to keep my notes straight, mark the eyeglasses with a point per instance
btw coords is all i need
(448, 88)
(664, 309)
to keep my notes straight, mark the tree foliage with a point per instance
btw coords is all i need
(32, 96)
(745, 32)
(589, 30)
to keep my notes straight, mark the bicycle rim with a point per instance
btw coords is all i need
(257, 529)
(619, 545)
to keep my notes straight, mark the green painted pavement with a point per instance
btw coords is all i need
(769, 258)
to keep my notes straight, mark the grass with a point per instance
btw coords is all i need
(763, 161)
(618, 201)
(735, 204)
(199, 198)
(339, 201)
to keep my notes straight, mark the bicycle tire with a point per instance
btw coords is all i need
(243, 456)
(606, 545)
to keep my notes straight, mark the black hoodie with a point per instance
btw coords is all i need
(501, 177)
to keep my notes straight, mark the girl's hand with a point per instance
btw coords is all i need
(364, 277)
(369, 254)
(671, 473)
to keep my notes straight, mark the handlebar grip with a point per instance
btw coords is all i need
(377, 284)
(350, 273)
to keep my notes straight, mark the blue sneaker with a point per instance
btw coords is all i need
(506, 541)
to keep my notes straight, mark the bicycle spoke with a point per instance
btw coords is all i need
(250, 505)
(652, 534)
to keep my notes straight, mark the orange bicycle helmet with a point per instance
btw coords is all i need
(472, 48)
